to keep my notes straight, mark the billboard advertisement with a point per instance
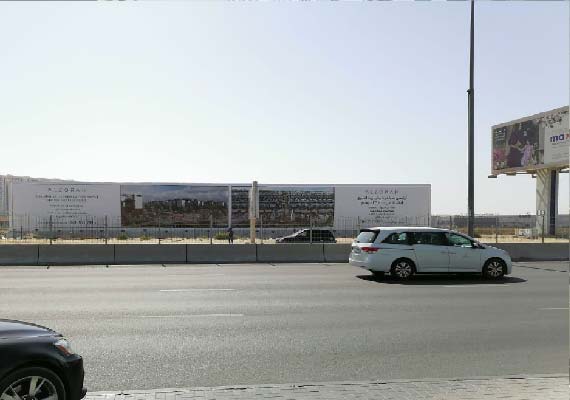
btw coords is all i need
(67, 205)
(180, 205)
(531, 143)
(377, 205)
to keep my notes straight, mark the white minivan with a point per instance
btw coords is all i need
(404, 251)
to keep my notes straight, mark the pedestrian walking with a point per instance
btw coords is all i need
(230, 235)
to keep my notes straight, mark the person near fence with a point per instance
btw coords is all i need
(230, 235)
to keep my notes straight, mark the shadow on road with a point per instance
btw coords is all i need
(457, 279)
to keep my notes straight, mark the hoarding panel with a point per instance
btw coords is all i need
(180, 205)
(67, 205)
(294, 205)
(383, 205)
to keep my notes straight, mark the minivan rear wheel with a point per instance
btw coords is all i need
(402, 269)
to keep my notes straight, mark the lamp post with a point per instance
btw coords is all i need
(471, 136)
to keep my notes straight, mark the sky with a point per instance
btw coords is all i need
(283, 92)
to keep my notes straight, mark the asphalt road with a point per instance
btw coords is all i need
(143, 327)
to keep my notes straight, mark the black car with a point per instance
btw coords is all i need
(37, 363)
(304, 236)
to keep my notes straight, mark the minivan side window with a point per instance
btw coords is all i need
(397, 238)
(459, 241)
(432, 238)
(366, 237)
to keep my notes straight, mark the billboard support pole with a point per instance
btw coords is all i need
(471, 139)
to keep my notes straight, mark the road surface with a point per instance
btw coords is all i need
(145, 327)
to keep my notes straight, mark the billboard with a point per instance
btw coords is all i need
(377, 205)
(531, 143)
(66, 205)
(180, 205)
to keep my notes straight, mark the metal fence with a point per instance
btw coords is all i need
(31, 230)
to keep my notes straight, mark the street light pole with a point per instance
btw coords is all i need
(471, 136)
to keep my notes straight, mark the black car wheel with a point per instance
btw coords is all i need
(32, 384)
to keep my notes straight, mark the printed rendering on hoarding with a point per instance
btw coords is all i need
(284, 206)
(153, 205)
(531, 143)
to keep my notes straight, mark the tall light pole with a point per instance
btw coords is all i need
(471, 139)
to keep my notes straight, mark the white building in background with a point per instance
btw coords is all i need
(138, 201)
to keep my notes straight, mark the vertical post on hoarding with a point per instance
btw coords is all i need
(450, 223)
(106, 229)
(253, 211)
(543, 213)
(261, 228)
(50, 229)
(210, 230)
(159, 233)
(471, 135)
(497, 229)
(311, 229)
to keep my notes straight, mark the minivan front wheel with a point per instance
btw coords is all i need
(494, 269)
(402, 269)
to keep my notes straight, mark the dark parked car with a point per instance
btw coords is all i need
(304, 236)
(37, 363)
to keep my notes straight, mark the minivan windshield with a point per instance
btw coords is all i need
(367, 236)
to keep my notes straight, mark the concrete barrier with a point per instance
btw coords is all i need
(535, 251)
(150, 254)
(337, 252)
(76, 254)
(18, 254)
(221, 253)
(290, 252)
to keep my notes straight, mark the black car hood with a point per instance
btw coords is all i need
(11, 329)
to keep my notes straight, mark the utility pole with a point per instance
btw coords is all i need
(471, 138)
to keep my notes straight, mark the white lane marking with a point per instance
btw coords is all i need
(196, 290)
(191, 315)
(182, 274)
(476, 286)
(554, 308)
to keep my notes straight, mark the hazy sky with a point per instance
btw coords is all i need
(282, 92)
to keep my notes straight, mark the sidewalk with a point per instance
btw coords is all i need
(547, 387)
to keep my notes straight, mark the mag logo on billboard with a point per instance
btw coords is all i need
(557, 137)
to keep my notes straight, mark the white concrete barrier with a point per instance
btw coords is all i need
(76, 254)
(535, 251)
(18, 254)
(60, 254)
(150, 254)
(337, 253)
(221, 253)
(290, 252)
